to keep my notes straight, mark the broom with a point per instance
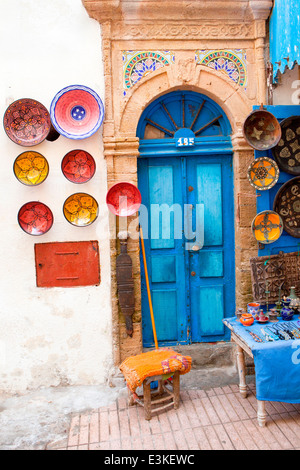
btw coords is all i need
(148, 288)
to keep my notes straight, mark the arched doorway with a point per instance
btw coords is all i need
(185, 177)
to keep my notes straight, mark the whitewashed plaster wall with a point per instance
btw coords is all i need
(56, 336)
(287, 92)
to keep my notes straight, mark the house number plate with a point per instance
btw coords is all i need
(184, 138)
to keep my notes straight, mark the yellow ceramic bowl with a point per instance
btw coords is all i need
(267, 227)
(31, 168)
(80, 209)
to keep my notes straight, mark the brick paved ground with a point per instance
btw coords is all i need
(215, 419)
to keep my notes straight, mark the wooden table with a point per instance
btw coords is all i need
(243, 348)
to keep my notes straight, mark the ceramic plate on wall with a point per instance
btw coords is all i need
(27, 122)
(35, 218)
(263, 173)
(78, 166)
(123, 199)
(77, 112)
(287, 151)
(262, 130)
(267, 227)
(80, 209)
(31, 168)
(287, 204)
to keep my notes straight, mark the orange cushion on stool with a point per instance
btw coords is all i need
(158, 362)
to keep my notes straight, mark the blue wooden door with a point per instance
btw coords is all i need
(211, 265)
(189, 245)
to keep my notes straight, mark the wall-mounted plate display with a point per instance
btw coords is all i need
(263, 173)
(123, 199)
(77, 112)
(78, 166)
(27, 122)
(287, 204)
(80, 209)
(31, 168)
(287, 151)
(267, 227)
(35, 218)
(262, 130)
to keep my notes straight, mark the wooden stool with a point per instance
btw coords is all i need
(162, 399)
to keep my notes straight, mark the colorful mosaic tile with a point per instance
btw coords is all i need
(137, 64)
(231, 62)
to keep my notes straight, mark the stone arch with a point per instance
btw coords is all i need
(216, 85)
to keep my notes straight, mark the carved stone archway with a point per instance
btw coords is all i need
(129, 26)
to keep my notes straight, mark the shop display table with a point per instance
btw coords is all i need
(277, 363)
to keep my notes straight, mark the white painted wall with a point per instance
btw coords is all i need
(50, 337)
(287, 92)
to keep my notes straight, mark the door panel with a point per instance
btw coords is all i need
(210, 310)
(209, 193)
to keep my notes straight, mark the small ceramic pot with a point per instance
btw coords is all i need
(253, 309)
(287, 314)
(247, 319)
(239, 313)
(273, 317)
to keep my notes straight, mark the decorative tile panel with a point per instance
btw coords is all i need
(231, 62)
(137, 64)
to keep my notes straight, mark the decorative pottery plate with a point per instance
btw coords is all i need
(78, 166)
(287, 204)
(80, 209)
(287, 151)
(77, 112)
(31, 168)
(123, 199)
(263, 173)
(267, 227)
(262, 130)
(27, 122)
(35, 218)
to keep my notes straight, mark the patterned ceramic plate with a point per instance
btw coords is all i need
(27, 122)
(35, 218)
(78, 166)
(267, 227)
(287, 151)
(262, 130)
(123, 199)
(80, 209)
(263, 173)
(31, 168)
(287, 204)
(77, 112)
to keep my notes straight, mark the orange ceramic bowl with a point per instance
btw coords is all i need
(267, 227)
(247, 319)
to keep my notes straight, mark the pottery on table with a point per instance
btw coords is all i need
(247, 319)
(261, 317)
(253, 308)
(273, 317)
(287, 314)
(295, 301)
(239, 313)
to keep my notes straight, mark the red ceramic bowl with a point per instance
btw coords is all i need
(35, 218)
(27, 122)
(123, 199)
(78, 166)
(77, 112)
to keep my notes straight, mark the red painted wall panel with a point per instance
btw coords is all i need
(67, 264)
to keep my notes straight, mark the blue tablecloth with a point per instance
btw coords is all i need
(277, 364)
